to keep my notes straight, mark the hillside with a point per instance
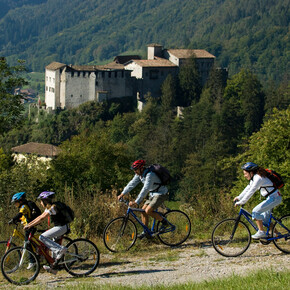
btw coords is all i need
(251, 34)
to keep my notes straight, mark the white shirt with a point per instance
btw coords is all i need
(255, 184)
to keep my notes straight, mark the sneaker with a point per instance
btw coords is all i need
(60, 254)
(165, 225)
(259, 235)
(50, 270)
(31, 266)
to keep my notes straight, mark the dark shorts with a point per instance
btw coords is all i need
(156, 200)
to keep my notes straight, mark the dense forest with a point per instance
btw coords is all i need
(247, 34)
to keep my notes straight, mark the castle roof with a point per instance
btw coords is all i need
(187, 53)
(156, 62)
(55, 65)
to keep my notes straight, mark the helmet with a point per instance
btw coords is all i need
(138, 164)
(250, 166)
(46, 194)
(18, 196)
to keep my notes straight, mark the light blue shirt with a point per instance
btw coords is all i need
(151, 184)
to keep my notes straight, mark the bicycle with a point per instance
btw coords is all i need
(120, 233)
(231, 237)
(8, 244)
(81, 259)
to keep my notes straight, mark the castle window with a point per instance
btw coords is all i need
(109, 74)
(46, 88)
(79, 74)
(116, 74)
(122, 73)
(84, 74)
(103, 74)
(72, 74)
(81, 96)
(71, 96)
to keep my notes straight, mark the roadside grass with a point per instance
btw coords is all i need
(261, 280)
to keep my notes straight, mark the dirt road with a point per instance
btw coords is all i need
(162, 265)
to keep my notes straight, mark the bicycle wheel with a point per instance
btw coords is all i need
(283, 244)
(4, 249)
(228, 242)
(14, 266)
(82, 257)
(120, 234)
(180, 230)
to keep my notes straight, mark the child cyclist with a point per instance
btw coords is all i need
(24, 216)
(258, 181)
(60, 228)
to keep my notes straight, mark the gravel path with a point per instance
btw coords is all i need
(169, 266)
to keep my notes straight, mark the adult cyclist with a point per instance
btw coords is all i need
(259, 181)
(157, 194)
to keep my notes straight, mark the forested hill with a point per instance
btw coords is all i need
(250, 33)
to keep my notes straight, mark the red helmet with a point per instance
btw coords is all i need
(138, 164)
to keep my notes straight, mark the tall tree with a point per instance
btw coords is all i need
(10, 104)
(190, 83)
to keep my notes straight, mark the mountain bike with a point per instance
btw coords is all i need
(81, 259)
(231, 237)
(120, 234)
(8, 244)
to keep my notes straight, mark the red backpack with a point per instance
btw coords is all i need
(276, 178)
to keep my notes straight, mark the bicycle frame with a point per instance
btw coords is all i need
(248, 217)
(151, 232)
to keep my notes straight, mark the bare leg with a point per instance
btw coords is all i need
(260, 225)
(144, 216)
(150, 211)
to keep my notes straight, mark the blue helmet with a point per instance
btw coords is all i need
(18, 196)
(250, 166)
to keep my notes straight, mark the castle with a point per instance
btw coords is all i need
(68, 86)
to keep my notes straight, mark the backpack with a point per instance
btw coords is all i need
(161, 172)
(276, 178)
(67, 213)
(34, 210)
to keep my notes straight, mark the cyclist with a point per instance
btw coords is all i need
(158, 194)
(258, 181)
(60, 226)
(23, 216)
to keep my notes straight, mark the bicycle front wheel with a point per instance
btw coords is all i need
(230, 239)
(179, 231)
(283, 230)
(120, 234)
(14, 266)
(81, 258)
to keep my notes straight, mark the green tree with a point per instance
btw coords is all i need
(189, 81)
(10, 104)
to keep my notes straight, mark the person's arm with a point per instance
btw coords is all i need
(250, 189)
(131, 185)
(148, 184)
(16, 218)
(37, 220)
